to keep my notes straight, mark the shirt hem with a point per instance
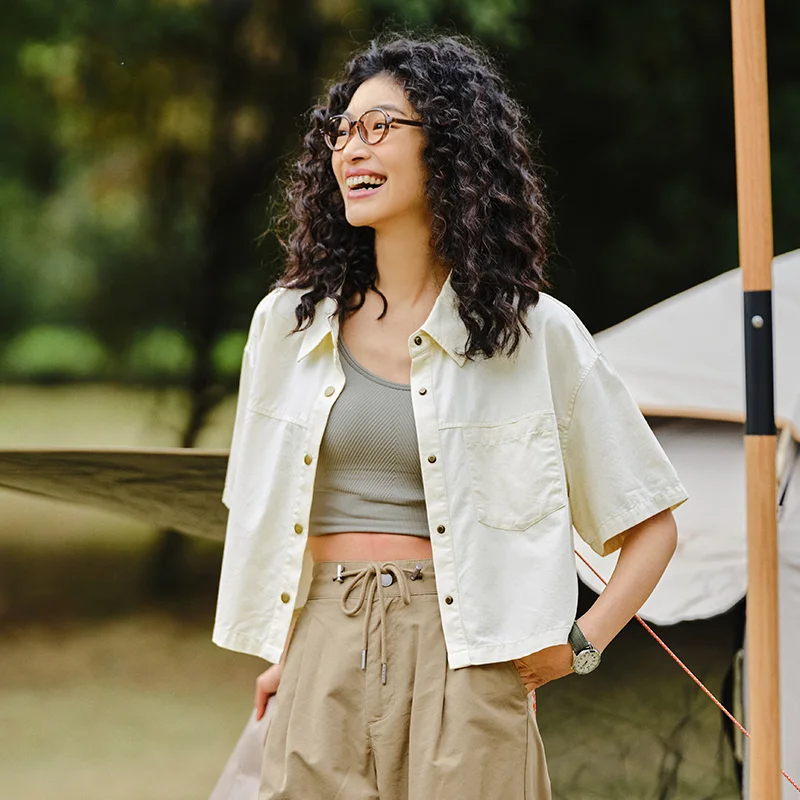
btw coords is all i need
(490, 654)
(461, 658)
(245, 644)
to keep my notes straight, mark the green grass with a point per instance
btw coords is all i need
(127, 709)
(106, 692)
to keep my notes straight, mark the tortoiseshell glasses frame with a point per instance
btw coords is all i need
(373, 126)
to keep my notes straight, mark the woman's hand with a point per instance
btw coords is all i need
(544, 666)
(266, 685)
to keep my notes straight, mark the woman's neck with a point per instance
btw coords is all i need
(408, 272)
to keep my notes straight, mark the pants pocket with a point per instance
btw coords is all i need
(517, 677)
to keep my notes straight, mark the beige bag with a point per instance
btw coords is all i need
(240, 778)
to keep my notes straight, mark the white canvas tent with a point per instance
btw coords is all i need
(683, 358)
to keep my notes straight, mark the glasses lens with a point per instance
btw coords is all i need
(375, 124)
(336, 131)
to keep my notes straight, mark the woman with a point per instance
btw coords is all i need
(418, 428)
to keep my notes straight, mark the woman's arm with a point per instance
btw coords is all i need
(643, 557)
(646, 550)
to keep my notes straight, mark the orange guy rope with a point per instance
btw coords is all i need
(686, 670)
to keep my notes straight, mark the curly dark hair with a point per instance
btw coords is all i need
(490, 218)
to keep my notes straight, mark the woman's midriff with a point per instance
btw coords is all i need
(359, 546)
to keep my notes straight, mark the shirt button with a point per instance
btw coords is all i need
(329, 391)
(417, 340)
(448, 600)
(308, 458)
(298, 528)
(423, 390)
(432, 459)
(440, 529)
(285, 597)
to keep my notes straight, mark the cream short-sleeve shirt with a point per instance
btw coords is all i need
(514, 452)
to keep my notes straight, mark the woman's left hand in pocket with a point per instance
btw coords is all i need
(545, 665)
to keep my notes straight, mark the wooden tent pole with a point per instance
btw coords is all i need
(755, 256)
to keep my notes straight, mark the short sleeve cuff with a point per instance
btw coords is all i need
(608, 539)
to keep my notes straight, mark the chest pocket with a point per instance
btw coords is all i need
(515, 471)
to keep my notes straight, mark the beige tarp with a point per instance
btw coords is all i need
(170, 487)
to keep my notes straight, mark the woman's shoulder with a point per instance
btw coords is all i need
(276, 309)
(557, 327)
(280, 300)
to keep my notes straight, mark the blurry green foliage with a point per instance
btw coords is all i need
(227, 354)
(160, 352)
(47, 351)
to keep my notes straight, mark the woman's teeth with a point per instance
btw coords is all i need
(357, 182)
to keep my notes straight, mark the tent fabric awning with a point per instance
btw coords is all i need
(176, 487)
(684, 357)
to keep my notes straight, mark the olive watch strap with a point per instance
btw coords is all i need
(577, 640)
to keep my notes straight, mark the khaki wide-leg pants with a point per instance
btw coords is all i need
(367, 708)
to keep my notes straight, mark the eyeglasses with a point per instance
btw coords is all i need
(373, 125)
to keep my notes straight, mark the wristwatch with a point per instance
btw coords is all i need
(586, 658)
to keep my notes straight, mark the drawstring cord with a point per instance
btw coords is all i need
(369, 578)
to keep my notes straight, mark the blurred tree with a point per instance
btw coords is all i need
(221, 88)
(655, 89)
(176, 122)
(150, 137)
(28, 161)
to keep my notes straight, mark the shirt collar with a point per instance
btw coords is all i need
(325, 324)
(443, 325)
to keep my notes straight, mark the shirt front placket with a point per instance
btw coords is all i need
(423, 353)
(325, 394)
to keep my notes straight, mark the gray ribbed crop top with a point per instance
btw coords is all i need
(368, 476)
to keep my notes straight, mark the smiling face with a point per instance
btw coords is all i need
(394, 170)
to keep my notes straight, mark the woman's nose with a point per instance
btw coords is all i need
(355, 148)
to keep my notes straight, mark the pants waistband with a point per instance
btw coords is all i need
(359, 584)
(324, 572)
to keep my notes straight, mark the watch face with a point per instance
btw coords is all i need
(586, 661)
